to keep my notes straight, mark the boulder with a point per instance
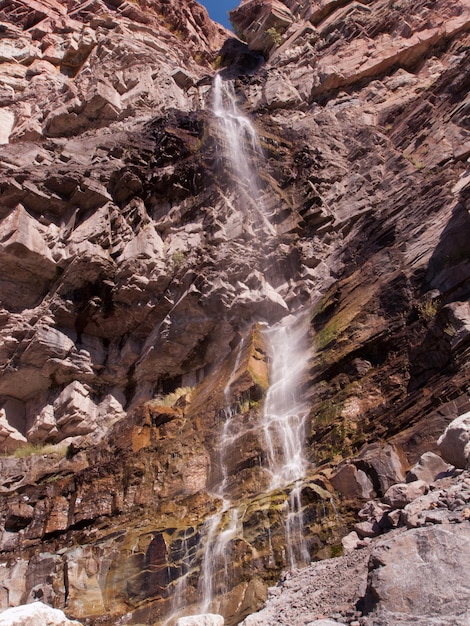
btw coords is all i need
(454, 443)
(383, 464)
(414, 513)
(35, 614)
(352, 482)
(421, 573)
(429, 467)
(350, 542)
(209, 619)
(401, 494)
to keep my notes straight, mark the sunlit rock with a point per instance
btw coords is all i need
(35, 614)
(454, 443)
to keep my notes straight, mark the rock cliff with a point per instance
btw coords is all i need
(138, 279)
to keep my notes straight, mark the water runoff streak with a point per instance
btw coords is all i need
(242, 150)
(223, 526)
(284, 422)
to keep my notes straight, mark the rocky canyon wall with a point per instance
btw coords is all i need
(135, 284)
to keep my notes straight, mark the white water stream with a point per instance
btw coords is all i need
(243, 152)
(284, 422)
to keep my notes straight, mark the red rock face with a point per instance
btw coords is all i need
(129, 276)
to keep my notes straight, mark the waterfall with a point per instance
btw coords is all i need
(284, 410)
(242, 151)
(284, 422)
(221, 527)
(281, 430)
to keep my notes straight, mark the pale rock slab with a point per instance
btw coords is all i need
(22, 242)
(10, 437)
(429, 467)
(401, 494)
(147, 244)
(12, 581)
(209, 619)
(7, 121)
(350, 542)
(454, 443)
(74, 411)
(35, 614)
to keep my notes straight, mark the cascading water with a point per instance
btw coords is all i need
(243, 152)
(284, 410)
(222, 527)
(284, 421)
(282, 428)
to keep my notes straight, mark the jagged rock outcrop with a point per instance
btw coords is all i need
(135, 288)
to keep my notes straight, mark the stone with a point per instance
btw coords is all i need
(18, 516)
(413, 514)
(351, 482)
(367, 529)
(23, 243)
(326, 622)
(429, 467)
(383, 464)
(133, 264)
(182, 78)
(35, 614)
(7, 122)
(262, 23)
(350, 542)
(401, 494)
(10, 437)
(208, 619)
(74, 411)
(420, 573)
(454, 443)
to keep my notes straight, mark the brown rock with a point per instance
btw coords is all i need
(352, 483)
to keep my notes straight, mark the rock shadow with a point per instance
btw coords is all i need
(237, 59)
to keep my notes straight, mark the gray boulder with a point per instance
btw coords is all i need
(421, 575)
(454, 443)
(401, 494)
(429, 467)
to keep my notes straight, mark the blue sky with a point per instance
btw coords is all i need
(218, 9)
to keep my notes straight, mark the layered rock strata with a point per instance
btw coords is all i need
(131, 278)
